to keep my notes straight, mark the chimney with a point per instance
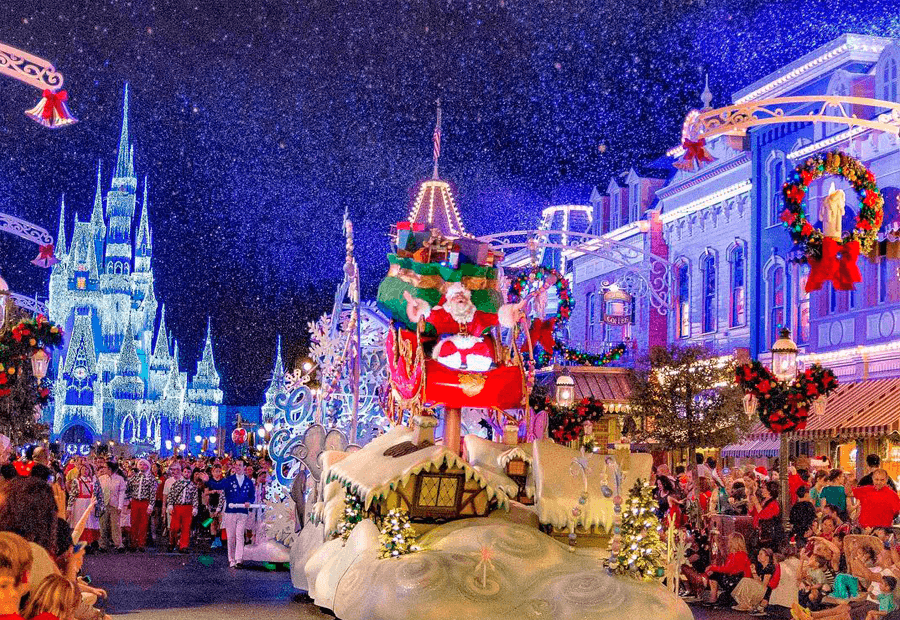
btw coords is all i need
(423, 429)
(511, 434)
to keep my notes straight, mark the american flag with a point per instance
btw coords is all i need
(437, 139)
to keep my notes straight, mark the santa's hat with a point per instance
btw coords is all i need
(762, 472)
(455, 288)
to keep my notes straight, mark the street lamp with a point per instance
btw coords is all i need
(784, 366)
(198, 438)
(565, 391)
(40, 361)
(177, 438)
(4, 300)
(784, 356)
(268, 426)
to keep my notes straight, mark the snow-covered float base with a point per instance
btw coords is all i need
(532, 576)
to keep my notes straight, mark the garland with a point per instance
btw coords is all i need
(19, 344)
(531, 281)
(823, 252)
(783, 406)
(566, 424)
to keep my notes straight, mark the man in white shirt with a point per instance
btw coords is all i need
(113, 486)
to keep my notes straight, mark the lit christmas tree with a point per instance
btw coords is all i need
(641, 553)
(397, 535)
(353, 514)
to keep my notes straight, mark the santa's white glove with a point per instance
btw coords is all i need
(416, 308)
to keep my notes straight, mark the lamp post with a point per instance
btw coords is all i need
(784, 366)
(565, 391)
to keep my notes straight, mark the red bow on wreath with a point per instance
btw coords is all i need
(693, 152)
(837, 265)
(542, 333)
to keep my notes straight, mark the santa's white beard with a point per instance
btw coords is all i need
(462, 311)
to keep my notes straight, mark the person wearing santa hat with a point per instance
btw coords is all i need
(141, 493)
(461, 327)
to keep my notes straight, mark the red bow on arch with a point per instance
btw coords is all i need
(45, 257)
(51, 111)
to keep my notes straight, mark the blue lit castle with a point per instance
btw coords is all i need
(117, 376)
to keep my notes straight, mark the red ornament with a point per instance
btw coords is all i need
(239, 436)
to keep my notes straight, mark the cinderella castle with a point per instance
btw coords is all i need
(117, 375)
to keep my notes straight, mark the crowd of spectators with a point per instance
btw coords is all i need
(834, 555)
(54, 511)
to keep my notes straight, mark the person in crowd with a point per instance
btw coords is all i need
(873, 464)
(723, 579)
(753, 593)
(183, 505)
(215, 503)
(799, 478)
(174, 473)
(834, 492)
(15, 571)
(55, 598)
(141, 494)
(81, 493)
(766, 513)
(878, 503)
(816, 580)
(112, 486)
(815, 492)
(239, 493)
(803, 515)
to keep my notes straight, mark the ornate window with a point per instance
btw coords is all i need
(887, 77)
(437, 495)
(882, 266)
(127, 430)
(738, 287)
(634, 195)
(708, 267)
(615, 211)
(683, 300)
(776, 301)
(802, 306)
(832, 298)
(776, 181)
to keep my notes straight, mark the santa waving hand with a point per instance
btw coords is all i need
(461, 327)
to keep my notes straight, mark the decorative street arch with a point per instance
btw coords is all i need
(637, 271)
(51, 111)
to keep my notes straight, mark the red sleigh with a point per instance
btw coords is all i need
(417, 381)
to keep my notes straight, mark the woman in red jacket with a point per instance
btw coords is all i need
(725, 578)
(766, 513)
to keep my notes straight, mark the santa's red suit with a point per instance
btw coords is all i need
(462, 345)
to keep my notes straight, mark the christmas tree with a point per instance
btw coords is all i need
(641, 551)
(353, 514)
(397, 535)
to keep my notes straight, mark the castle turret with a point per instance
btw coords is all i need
(276, 386)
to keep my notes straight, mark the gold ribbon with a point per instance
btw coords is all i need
(473, 283)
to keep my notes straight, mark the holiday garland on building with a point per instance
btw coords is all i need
(567, 424)
(353, 514)
(641, 552)
(548, 336)
(784, 406)
(397, 535)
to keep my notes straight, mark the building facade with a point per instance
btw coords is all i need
(117, 376)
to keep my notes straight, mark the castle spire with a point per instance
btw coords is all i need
(143, 236)
(61, 250)
(706, 96)
(97, 214)
(124, 168)
(278, 371)
(162, 339)
(207, 348)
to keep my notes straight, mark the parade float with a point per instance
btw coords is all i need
(423, 522)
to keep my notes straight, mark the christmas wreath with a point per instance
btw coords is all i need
(784, 406)
(830, 258)
(549, 334)
(567, 424)
(19, 344)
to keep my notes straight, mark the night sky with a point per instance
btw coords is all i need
(258, 122)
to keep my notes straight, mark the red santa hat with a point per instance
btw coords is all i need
(762, 472)
(456, 288)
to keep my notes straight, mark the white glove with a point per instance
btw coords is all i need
(194, 512)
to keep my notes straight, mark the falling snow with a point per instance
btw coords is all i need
(259, 123)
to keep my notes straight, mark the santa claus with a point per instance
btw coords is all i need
(461, 327)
